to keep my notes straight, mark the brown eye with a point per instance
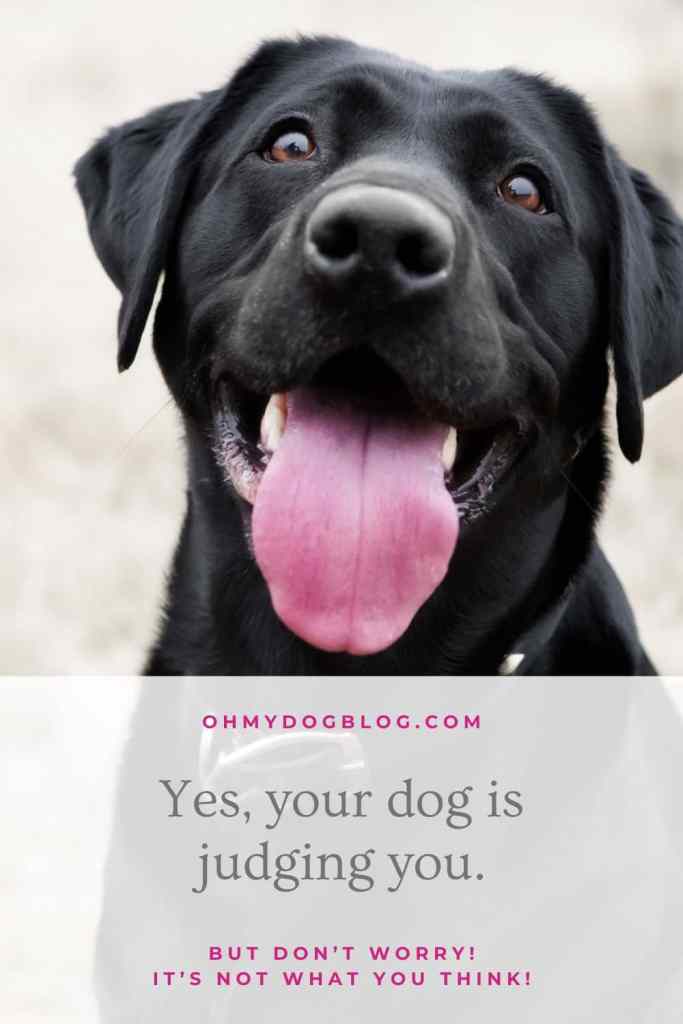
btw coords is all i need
(522, 191)
(290, 146)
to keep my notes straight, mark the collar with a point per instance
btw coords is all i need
(531, 642)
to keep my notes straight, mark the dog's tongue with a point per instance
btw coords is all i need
(353, 527)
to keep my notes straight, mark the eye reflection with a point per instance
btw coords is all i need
(291, 145)
(520, 190)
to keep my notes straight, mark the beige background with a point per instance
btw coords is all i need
(92, 463)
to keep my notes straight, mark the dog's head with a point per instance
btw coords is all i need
(389, 299)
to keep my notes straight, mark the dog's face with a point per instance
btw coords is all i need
(388, 303)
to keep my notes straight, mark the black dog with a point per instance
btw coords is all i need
(361, 254)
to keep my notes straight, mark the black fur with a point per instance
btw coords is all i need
(184, 190)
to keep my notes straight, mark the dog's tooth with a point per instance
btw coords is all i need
(273, 421)
(280, 400)
(450, 449)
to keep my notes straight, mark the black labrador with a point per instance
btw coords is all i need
(390, 297)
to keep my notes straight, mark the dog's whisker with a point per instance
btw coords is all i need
(133, 438)
(577, 492)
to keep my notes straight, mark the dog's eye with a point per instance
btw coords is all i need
(522, 191)
(292, 145)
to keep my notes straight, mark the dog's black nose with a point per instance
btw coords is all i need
(386, 234)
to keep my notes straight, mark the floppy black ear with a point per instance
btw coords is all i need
(646, 330)
(132, 183)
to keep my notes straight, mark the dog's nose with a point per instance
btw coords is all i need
(382, 234)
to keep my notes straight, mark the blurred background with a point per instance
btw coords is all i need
(92, 462)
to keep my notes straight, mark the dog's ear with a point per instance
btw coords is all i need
(646, 271)
(132, 183)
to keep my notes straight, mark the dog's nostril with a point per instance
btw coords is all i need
(362, 235)
(337, 238)
(421, 254)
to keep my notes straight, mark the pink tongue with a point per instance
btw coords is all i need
(353, 527)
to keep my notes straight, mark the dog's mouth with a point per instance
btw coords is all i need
(250, 427)
(358, 496)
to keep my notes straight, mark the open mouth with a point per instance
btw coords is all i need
(357, 496)
(250, 427)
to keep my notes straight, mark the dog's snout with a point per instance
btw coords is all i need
(376, 232)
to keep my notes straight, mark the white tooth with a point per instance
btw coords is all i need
(273, 421)
(280, 400)
(450, 449)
